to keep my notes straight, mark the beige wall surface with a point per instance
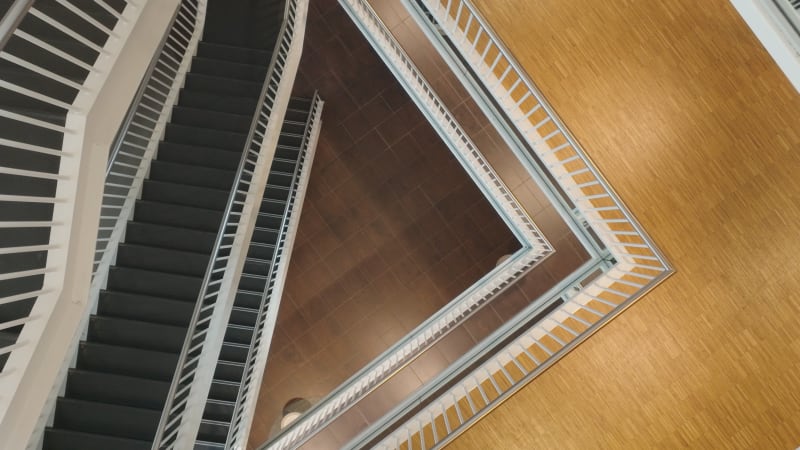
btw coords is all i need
(699, 132)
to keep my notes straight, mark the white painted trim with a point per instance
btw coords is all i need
(776, 35)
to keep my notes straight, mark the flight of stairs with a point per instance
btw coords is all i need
(73, 72)
(115, 394)
(254, 281)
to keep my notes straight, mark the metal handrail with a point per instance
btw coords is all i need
(140, 144)
(220, 269)
(405, 351)
(636, 267)
(446, 13)
(12, 19)
(269, 298)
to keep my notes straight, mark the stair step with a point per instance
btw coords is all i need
(267, 220)
(16, 211)
(232, 53)
(296, 115)
(37, 82)
(247, 299)
(142, 307)
(167, 237)
(296, 127)
(220, 85)
(239, 334)
(40, 29)
(156, 284)
(74, 22)
(72, 440)
(15, 158)
(261, 251)
(205, 445)
(224, 390)
(273, 206)
(117, 389)
(286, 152)
(219, 410)
(234, 352)
(290, 140)
(184, 194)
(198, 176)
(274, 192)
(130, 362)
(280, 178)
(29, 186)
(255, 283)
(197, 117)
(136, 334)
(229, 69)
(162, 260)
(103, 418)
(189, 135)
(215, 158)
(256, 266)
(229, 371)
(216, 102)
(244, 316)
(213, 431)
(43, 58)
(177, 216)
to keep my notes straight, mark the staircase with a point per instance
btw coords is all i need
(254, 281)
(115, 395)
(50, 56)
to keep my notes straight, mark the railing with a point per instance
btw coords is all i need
(142, 130)
(190, 386)
(244, 409)
(535, 249)
(42, 134)
(636, 265)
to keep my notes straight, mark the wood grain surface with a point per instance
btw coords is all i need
(699, 132)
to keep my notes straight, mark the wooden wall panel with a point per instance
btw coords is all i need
(699, 132)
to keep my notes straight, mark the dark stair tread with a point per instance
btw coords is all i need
(201, 117)
(143, 307)
(233, 53)
(248, 299)
(222, 85)
(213, 157)
(256, 266)
(170, 237)
(213, 430)
(177, 216)
(217, 102)
(224, 390)
(234, 352)
(113, 359)
(56, 439)
(136, 334)
(103, 418)
(230, 69)
(198, 176)
(157, 284)
(191, 135)
(219, 410)
(162, 259)
(117, 389)
(184, 194)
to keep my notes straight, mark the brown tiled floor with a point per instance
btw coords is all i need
(392, 227)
